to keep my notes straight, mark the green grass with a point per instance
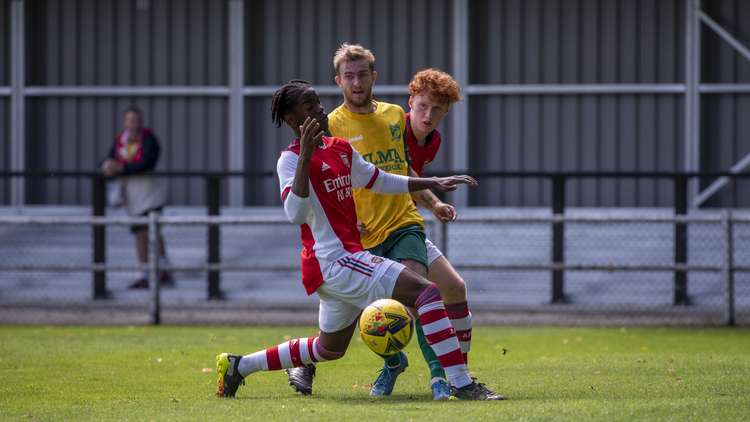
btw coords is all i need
(145, 373)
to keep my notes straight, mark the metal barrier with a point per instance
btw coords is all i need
(558, 268)
(212, 186)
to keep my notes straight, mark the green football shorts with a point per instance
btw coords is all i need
(405, 243)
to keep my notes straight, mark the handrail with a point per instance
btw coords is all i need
(556, 266)
(245, 220)
(473, 172)
(559, 182)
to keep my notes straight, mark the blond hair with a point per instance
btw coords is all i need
(352, 52)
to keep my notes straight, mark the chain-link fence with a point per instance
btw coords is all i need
(618, 265)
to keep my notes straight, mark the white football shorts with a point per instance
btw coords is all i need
(433, 252)
(352, 283)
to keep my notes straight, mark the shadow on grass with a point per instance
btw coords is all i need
(357, 399)
(349, 398)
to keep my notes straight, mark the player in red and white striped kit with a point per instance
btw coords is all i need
(316, 175)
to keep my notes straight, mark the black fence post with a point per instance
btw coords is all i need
(99, 235)
(558, 239)
(213, 199)
(680, 240)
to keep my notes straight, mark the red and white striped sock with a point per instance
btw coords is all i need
(460, 317)
(290, 354)
(441, 336)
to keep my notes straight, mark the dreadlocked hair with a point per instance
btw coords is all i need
(285, 98)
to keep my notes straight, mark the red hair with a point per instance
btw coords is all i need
(436, 84)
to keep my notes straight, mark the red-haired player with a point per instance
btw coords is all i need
(431, 93)
(316, 175)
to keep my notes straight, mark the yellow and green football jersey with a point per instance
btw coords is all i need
(378, 138)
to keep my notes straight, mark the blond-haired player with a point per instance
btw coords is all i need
(316, 177)
(392, 225)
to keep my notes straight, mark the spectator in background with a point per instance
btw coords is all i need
(133, 155)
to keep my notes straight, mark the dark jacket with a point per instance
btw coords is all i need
(143, 159)
(141, 191)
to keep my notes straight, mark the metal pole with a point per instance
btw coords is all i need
(680, 240)
(17, 103)
(725, 88)
(460, 111)
(719, 183)
(236, 100)
(692, 93)
(153, 267)
(724, 34)
(333, 90)
(213, 198)
(99, 236)
(729, 318)
(574, 89)
(127, 91)
(558, 239)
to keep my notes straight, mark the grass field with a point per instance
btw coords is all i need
(145, 373)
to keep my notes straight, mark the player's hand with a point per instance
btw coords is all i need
(444, 212)
(362, 228)
(310, 134)
(449, 184)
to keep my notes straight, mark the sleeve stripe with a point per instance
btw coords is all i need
(373, 178)
(285, 193)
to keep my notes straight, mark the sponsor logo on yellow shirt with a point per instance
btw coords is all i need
(389, 160)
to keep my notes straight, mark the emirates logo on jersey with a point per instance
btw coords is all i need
(345, 159)
(341, 185)
(341, 182)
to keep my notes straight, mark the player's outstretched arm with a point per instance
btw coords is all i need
(442, 184)
(425, 198)
(366, 175)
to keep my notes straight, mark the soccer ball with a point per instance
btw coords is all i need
(386, 327)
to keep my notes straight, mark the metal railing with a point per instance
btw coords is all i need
(212, 186)
(557, 266)
(154, 221)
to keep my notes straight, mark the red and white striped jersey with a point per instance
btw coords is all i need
(328, 217)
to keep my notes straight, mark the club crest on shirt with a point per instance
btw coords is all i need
(376, 260)
(345, 159)
(395, 131)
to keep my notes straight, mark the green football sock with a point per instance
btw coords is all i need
(436, 371)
